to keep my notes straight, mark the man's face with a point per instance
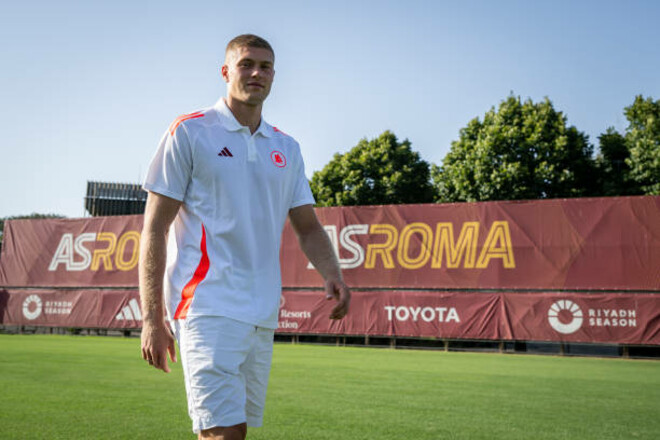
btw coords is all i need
(248, 72)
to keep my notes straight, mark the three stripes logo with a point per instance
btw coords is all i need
(131, 312)
(225, 152)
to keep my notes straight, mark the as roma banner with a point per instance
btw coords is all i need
(575, 244)
(87, 252)
(88, 308)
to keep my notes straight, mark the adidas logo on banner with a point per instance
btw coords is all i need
(131, 312)
(225, 152)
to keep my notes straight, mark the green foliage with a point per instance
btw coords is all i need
(375, 172)
(629, 164)
(643, 142)
(519, 151)
(613, 171)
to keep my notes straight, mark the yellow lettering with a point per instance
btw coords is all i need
(104, 255)
(404, 245)
(122, 264)
(497, 245)
(444, 245)
(383, 249)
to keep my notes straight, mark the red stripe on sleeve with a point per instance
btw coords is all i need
(188, 291)
(180, 119)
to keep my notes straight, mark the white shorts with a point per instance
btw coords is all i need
(226, 364)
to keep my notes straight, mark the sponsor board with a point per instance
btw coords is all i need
(33, 307)
(532, 316)
(387, 313)
(566, 317)
(583, 317)
(71, 308)
(523, 316)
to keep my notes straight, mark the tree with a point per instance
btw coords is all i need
(374, 172)
(643, 142)
(613, 171)
(519, 151)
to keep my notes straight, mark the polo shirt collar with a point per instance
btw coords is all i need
(230, 123)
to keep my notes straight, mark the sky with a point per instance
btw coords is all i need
(87, 88)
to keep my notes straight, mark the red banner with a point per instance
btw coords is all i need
(86, 252)
(591, 244)
(603, 318)
(611, 318)
(53, 270)
(595, 318)
(425, 314)
(71, 308)
(582, 244)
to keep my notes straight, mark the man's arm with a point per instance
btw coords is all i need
(316, 245)
(157, 339)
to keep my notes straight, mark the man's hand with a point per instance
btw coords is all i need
(338, 290)
(157, 342)
(157, 339)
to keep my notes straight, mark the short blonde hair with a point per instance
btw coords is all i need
(248, 40)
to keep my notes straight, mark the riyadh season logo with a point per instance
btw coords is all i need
(32, 307)
(568, 310)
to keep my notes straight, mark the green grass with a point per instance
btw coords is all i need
(60, 387)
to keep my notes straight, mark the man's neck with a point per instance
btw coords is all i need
(246, 114)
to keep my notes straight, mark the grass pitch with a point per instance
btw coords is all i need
(61, 387)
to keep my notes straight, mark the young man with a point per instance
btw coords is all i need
(226, 180)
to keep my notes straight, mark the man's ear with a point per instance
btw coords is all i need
(224, 71)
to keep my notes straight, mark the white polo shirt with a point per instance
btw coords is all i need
(237, 190)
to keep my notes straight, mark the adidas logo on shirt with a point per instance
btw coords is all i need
(131, 312)
(225, 152)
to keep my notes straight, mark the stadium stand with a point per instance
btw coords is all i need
(109, 198)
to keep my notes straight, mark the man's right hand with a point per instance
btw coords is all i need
(157, 342)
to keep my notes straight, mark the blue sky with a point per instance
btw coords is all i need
(88, 87)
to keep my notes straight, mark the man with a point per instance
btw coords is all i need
(226, 180)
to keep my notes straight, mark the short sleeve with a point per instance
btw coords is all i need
(302, 193)
(171, 167)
